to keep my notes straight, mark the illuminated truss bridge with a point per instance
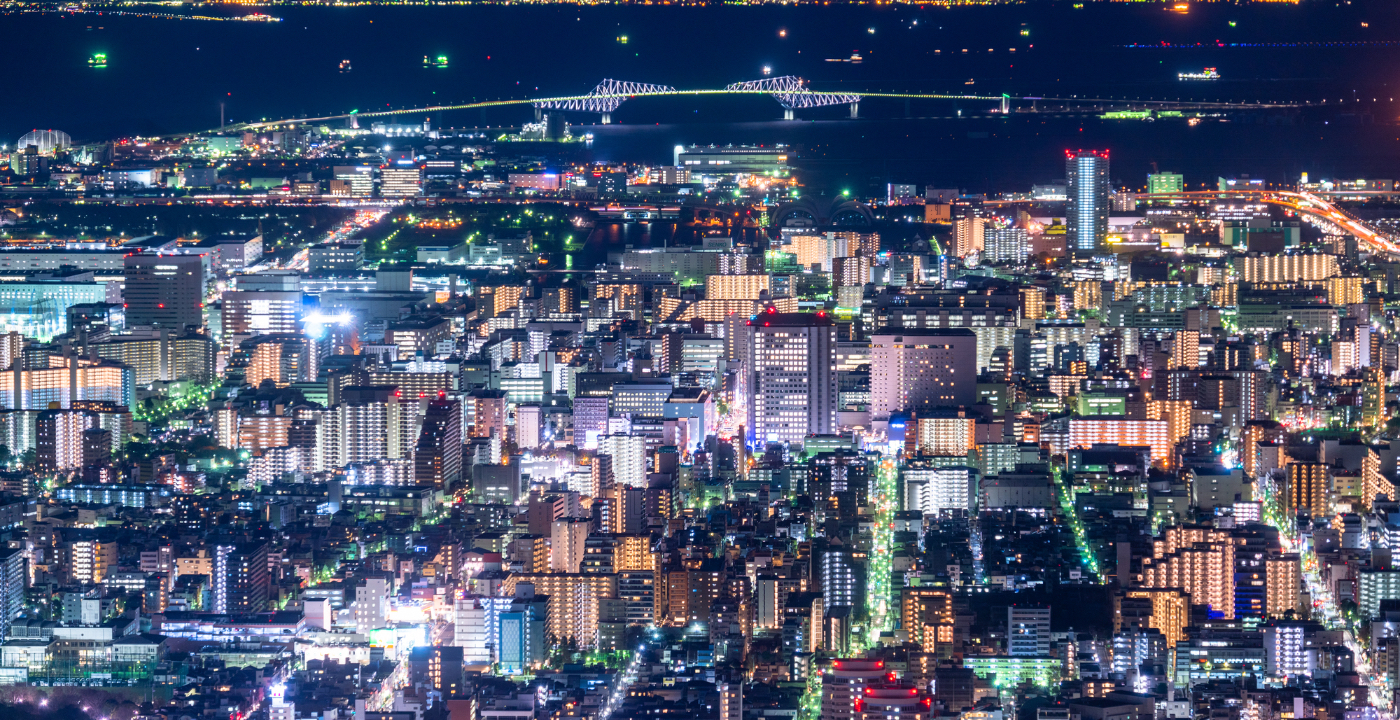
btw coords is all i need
(793, 93)
(605, 98)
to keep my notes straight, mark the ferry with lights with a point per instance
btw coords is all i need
(1204, 74)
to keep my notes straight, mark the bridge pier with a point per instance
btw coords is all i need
(787, 114)
(855, 110)
(539, 114)
(607, 118)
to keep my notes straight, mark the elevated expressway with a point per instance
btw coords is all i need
(1306, 203)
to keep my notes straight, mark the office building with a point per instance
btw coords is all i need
(335, 259)
(165, 291)
(247, 313)
(916, 368)
(397, 181)
(418, 335)
(353, 180)
(1086, 214)
(1165, 183)
(791, 366)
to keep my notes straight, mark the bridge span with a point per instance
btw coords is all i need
(792, 93)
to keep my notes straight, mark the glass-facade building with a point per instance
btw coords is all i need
(40, 309)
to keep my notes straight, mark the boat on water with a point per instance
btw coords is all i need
(854, 58)
(345, 66)
(1205, 74)
(437, 62)
(98, 60)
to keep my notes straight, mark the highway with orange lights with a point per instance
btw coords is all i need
(1310, 204)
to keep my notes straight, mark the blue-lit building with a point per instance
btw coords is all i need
(1086, 215)
(522, 635)
(38, 308)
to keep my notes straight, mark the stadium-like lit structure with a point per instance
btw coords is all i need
(48, 141)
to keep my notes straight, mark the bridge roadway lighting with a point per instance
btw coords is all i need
(790, 92)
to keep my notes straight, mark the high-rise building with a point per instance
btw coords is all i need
(573, 604)
(165, 291)
(241, 583)
(437, 460)
(841, 577)
(59, 438)
(558, 300)
(1186, 352)
(1006, 245)
(89, 559)
(792, 376)
(932, 490)
(66, 382)
(568, 544)
(1166, 610)
(1028, 631)
(1086, 175)
(1308, 487)
(915, 368)
(1197, 560)
(283, 358)
(850, 271)
(13, 577)
(969, 235)
(629, 458)
(818, 251)
(927, 613)
(1283, 582)
(161, 356)
(372, 604)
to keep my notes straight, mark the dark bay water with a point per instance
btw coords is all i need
(166, 76)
